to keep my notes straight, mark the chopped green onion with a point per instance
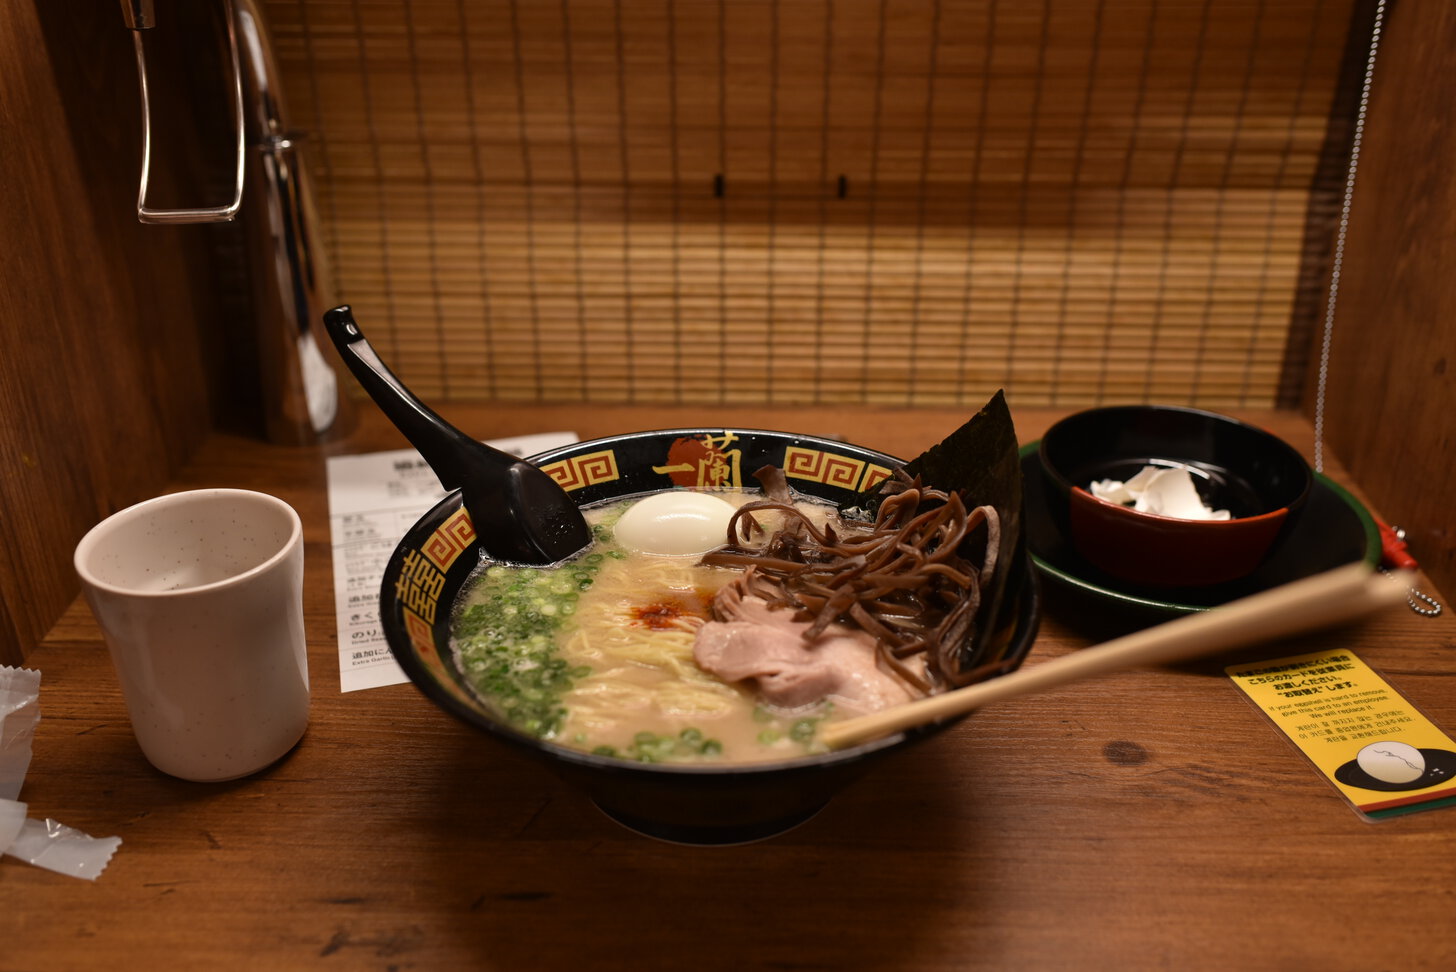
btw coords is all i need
(802, 731)
(506, 640)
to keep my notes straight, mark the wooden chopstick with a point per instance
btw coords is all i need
(1333, 597)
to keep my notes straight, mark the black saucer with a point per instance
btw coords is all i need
(1333, 529)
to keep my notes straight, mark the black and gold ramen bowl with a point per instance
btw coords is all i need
(686, 803)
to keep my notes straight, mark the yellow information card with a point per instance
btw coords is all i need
(1376, 748)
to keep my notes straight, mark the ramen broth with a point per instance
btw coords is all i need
(597, 654)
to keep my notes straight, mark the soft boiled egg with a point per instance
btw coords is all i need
(676, 523)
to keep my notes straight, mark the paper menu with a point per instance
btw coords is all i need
(373, 499)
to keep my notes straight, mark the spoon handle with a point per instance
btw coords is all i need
(1329, 598)
(440, 443)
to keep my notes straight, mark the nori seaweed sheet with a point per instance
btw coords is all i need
(981, 461)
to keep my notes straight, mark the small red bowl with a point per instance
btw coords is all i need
(1260, 479)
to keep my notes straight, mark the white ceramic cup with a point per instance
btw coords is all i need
(200, 597)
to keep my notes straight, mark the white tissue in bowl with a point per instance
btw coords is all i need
(1160, 490)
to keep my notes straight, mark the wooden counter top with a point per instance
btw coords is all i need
(1152, 819)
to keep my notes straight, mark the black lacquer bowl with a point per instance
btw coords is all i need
(1262, 480)
(695, 804)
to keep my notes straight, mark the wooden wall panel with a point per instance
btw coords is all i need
(1391, 401)
(104, 383)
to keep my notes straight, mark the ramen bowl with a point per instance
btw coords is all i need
(693, 803)
(1261, 481)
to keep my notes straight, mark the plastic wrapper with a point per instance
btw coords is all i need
(19, 712)
(12, 819)
(44, 843)
(54, 846)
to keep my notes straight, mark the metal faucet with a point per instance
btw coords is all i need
(302, 396)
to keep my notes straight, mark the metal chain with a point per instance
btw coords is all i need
(1339, 260)
(1420, 602)
(1414, 598)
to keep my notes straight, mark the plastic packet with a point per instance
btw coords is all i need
(12, 819)
(56, 847)
(19, 712)
(44, 843)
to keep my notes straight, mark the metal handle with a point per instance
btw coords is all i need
(139, 16)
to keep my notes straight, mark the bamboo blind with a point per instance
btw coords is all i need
(880, 201)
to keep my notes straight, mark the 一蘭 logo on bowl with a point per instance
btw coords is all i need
(704, 461)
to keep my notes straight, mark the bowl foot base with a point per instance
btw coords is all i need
(709, 835)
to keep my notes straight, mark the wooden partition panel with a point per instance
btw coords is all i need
(104, 380)
(1391, 397)
(889, 201)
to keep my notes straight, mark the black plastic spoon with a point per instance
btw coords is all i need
(521, 515)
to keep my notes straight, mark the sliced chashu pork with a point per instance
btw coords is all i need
(766, 646)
